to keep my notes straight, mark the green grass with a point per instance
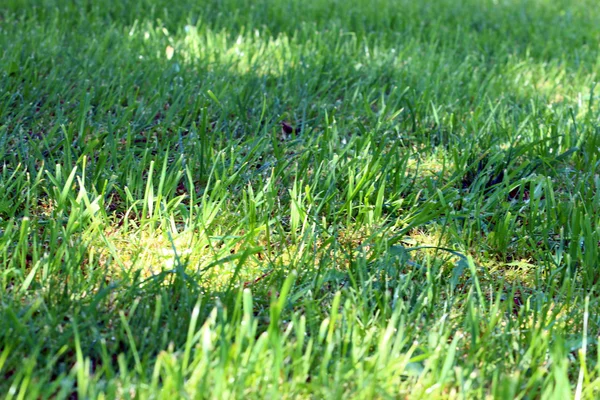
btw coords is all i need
(429, 228)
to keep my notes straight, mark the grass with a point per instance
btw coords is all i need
(289, 199)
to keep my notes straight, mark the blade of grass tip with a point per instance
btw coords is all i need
(450, 355)
(12, 390)
(248, 330)
(247, 305)
(155, 381)
(190, 335)
(157, 315)
(380, 199)
(162, 178)
(27, 375)
(68, 143)
(179, 265)
(82, 376)
(148, 204)
(204, 142)
(214, 97)
(65, 191)
(335, 305)
(473, 270)
(591, 100)
(180, 143)
(30, 277)
(136, 355)
(4, 356)
(277, 306)
(23, 244)
(582, 351)
(108, 372)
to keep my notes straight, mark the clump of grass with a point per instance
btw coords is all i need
(291, 199)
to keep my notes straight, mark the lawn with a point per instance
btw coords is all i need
(238, 199)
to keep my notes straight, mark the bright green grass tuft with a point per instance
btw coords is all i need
(299, 199)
